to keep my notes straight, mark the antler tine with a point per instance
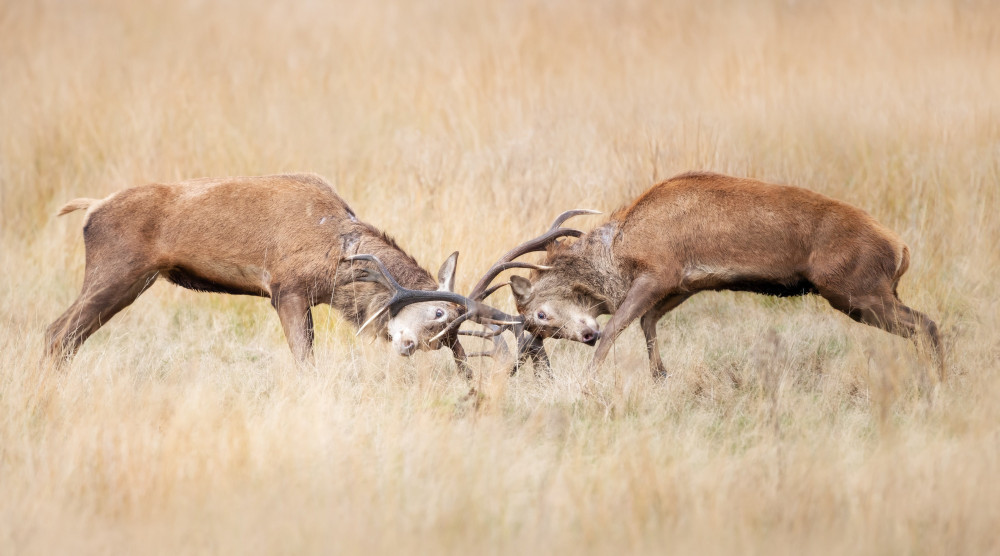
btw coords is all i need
(500, 348)
(482, 333)
(453, 325)
(371, 319)
(539, 243)
(384, 277)
(497, 268)
(482, 314)
(570, 214)
(493, 289)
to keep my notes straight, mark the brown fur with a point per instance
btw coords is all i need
(281, 237)
(703, 231)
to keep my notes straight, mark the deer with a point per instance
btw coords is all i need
(709, 232)
(285, 237)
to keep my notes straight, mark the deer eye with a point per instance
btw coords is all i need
(438, 313)
(541, 315)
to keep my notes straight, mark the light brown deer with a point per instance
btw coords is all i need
(704, 231)
(284, 237)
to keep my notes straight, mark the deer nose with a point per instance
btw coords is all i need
(408, 347)
(589, 336)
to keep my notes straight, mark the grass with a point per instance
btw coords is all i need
(184, 427)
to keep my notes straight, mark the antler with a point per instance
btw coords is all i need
(481, 291)
(497, 321)
(527, 344)
(499, 346)
(402, 297)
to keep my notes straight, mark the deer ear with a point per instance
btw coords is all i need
(521, 287)
(446, 276)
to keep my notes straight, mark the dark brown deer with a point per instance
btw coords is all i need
(284, 237)
(703, 231)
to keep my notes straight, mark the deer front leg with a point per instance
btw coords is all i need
(296, 320)
(645, 291)
(648, 324)
(535, 351)
(530, 348)
(461, 358)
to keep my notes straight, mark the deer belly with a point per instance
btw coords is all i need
(220, 277)
(717, 278)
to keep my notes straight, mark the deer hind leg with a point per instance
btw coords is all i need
(648, 324)
(904, 321)
(887, 312)
(98, 302)
(296, 320)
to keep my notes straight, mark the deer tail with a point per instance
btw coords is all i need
(76, 204)
(902, 263)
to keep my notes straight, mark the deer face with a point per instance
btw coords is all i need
(551, 310)
(415, 325)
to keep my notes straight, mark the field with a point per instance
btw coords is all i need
(184, 426)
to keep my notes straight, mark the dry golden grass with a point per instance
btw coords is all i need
(183, 426)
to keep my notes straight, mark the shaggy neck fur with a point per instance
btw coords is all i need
(357, 301)
(586, 269)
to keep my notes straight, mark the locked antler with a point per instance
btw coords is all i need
(482, 290)
(495, 320)
(527, 345)
(402, 297)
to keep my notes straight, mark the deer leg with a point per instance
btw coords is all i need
(648, 324)
(927, 335)
(539, 357)
(642, 295)
(98, 302)
(534, 350)
(890, 314)
(461, 359)
(296, 320)
(893, 316)
(530, 348)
